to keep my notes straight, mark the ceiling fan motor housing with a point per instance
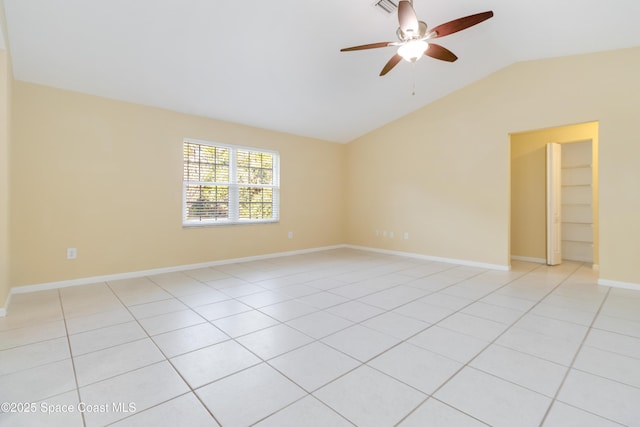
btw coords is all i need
(408, 36)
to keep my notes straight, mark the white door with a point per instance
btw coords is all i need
(554, 189)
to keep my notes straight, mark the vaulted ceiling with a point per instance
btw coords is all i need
(277, 64)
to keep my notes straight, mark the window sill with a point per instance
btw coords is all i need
(226, 223)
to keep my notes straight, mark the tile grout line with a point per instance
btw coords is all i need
(314, 340)
(167, 359)
(307, 395)
(456, 312)
(234, 339)
(73, 363)
(319, 340)
(467, 364)
(185, 327)
(77, 388)
(575, 357)
(365, 363)
(266, 361)
(324, 310)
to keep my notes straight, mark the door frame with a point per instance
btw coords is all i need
(554, 203)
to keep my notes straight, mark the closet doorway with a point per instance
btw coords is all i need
(577, 198)
(569, 198)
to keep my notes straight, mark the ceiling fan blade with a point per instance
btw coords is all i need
(392, 63)
(407, 18)
(459, 24)
(368, 46)
(442, 53)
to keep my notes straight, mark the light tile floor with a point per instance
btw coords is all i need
(333, 338)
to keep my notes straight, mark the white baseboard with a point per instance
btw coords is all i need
(134, 274)
(528, 259)
(3, 310)
(596, 267)
(621, 285)
(433, 258)
(142, 273)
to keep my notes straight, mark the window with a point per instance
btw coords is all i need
(227, 184)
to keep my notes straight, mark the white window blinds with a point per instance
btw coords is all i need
(226, 184)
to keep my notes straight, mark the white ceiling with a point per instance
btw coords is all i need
(277, 65)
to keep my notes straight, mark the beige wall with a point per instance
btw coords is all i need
(427, 176)
(528, 185)
(106, 177)
(442, 173)
(5, 111)
(6, 82)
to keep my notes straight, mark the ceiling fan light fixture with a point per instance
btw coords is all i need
(413, 50)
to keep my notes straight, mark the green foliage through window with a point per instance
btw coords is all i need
(228, 184)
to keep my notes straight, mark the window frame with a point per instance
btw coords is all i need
(234, 187)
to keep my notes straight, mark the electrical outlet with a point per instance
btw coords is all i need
(384, 233)
(72, 253)
(406, 236)
(290, 234)
(391, 234)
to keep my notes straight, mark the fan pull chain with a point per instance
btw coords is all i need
(413, 75)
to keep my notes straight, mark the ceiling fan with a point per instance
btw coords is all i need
(415, 37)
